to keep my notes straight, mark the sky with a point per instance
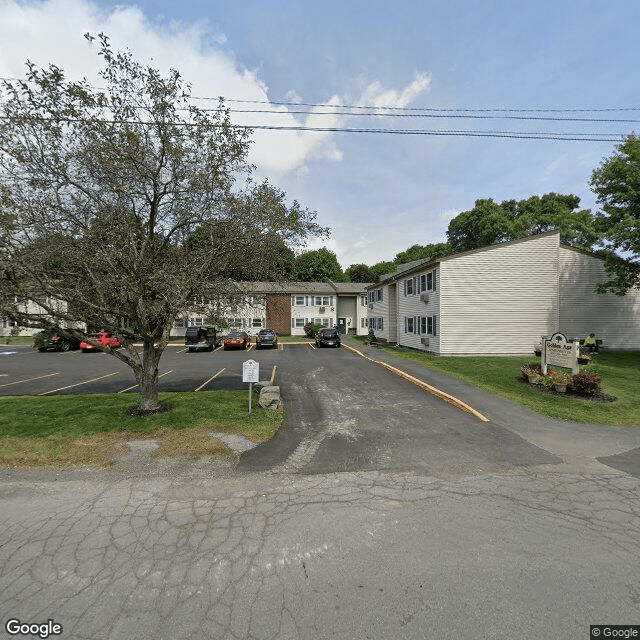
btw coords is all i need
(417, 64)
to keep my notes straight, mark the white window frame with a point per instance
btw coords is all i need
(297, 301)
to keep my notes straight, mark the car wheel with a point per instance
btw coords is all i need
(65, 345)
(42, 349)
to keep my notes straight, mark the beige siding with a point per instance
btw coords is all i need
(380, 309)
(412, 306)
(616, 319)
(500, 300)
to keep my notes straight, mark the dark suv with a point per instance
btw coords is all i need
(55, 339)
(328, 337)
(267, 338)
(201, 338)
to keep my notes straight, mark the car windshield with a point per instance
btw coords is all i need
(330, 333)
(267, 333)
(234, 335)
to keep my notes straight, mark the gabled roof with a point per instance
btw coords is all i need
(290, 287)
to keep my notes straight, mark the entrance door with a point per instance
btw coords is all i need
(342, 325)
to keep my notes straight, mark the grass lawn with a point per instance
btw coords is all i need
(620, 373)
(87, 429)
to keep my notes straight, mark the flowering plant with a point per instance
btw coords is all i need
(563, 378)
(550, 372)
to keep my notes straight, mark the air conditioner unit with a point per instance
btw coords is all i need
(424, 297)
(321, 310)
(371, 306)
(425, 341)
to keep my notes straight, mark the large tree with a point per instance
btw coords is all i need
(360, 273)
(101, 191)
(617, 184)
(490, 223)
(317, 266)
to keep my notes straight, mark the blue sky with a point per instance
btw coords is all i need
(379, 193)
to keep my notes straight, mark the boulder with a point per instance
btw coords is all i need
(269, 397)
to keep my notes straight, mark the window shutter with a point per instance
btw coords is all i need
(434, 325)
(416, 320)
(434, 281)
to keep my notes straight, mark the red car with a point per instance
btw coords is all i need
(237, 340)
(105, 339)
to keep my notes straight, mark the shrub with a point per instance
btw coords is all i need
(371, 336)
(311, 329)
(586, 383)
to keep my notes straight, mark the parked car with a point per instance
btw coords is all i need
(55, 339)
(327, 337)
(267, 338)
(237, 340)
(105, 339)
(201, 338)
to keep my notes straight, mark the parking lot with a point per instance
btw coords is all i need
(25, 371)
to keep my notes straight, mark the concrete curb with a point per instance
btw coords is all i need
(456, 402)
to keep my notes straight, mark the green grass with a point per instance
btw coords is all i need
(620, 373)
(16, 340)
(86, 428)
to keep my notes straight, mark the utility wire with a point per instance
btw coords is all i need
(531, 135)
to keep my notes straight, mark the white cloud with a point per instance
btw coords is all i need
(51, 31)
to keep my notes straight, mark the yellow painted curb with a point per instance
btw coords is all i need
(456, 402)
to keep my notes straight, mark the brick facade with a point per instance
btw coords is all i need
(279, 313)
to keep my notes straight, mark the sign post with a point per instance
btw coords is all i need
(250, 374)
(557, 350)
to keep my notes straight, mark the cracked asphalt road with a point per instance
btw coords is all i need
(514, 529)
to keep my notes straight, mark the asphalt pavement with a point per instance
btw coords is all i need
(378, 511)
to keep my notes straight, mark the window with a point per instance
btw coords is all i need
(380, 324)
(256, 322)
(5, 323)
(297, 301)
(409, 286)
(196, 322)
(298, 322)
(409, 324)
(322, 301)
(428, 325)
(363, 301)
(379, 295)
(428, 281)
(364, 323)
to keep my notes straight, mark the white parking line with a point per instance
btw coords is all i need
(250, 347)
(135, 386)
(8, 384)
(313, 346)
(202, 386)
(218, 348)
(79, 383)
(183, 350)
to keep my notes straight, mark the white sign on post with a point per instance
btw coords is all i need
(250, 374)
(250, 371)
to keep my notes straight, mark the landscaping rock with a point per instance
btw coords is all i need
(270, 397)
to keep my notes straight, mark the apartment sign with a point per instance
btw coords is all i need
(558, 351)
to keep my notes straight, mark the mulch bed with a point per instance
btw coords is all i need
(138, 412)
(550, 391)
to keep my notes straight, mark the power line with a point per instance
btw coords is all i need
(429, 115)
(527, 135)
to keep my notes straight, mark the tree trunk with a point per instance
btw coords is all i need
(147, 377)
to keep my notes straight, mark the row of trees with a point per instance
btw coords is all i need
(128, 202)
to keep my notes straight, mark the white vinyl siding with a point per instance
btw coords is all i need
(614, 319)
(417, 306)
(378, 312)
(499, 300)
